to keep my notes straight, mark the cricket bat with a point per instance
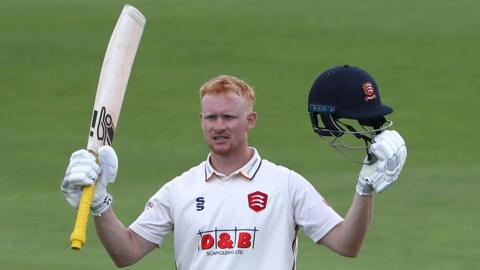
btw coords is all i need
(112, 84)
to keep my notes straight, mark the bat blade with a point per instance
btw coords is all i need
(112, 84)
(114, 75)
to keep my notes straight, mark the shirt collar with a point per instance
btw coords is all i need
(248, 170)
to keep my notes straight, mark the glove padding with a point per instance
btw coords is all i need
(83, 171)
(391, 152)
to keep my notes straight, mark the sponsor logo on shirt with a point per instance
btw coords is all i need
(149, 205)
(227, 241)
(200, 203)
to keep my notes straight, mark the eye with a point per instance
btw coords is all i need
(210, 117)
(229, 116)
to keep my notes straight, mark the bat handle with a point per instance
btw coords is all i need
(79, 234)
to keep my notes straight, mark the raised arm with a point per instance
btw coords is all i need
(347, 237)
(124, 246)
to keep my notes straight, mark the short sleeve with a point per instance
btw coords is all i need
(312, 213)
(156, 222)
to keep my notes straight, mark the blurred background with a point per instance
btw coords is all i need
(423, 55)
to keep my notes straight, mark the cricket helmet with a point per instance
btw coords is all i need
(347, 92)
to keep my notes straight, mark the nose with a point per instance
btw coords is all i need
(219, 124)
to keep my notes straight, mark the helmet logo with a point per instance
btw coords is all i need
(369, 91)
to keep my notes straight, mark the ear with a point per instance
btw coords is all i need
(251, 119)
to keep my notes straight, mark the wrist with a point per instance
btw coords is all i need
(101, 204)
(364, 188)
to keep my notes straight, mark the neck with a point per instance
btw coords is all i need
(227, 164)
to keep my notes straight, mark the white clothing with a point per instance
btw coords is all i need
(247, 220)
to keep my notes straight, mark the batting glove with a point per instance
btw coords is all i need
(84, 171)
(391, 152)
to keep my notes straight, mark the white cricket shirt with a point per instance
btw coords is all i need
(247, 220)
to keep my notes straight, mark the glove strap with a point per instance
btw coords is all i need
(102, 205)
(364, 188)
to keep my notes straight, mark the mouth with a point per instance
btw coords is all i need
(220, 138)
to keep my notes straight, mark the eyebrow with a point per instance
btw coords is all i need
(229, 114)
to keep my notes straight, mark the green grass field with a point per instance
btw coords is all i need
(423, 54)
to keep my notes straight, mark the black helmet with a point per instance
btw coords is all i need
(351, 93)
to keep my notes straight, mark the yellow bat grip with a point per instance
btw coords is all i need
(79, 234)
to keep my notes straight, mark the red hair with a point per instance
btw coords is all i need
(224, 84)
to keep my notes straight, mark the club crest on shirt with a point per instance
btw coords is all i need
(257, 201)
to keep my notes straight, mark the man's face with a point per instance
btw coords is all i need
(226, 120)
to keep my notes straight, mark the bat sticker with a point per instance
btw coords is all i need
(104, 128)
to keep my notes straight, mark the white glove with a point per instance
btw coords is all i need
(83, 171)
(390, 149)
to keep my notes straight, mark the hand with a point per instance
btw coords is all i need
(391, 152)
(83, 171)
